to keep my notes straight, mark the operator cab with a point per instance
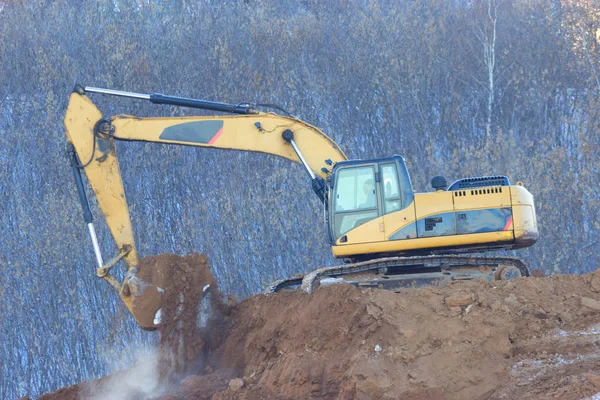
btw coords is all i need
(362, 190)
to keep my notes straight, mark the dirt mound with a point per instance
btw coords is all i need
(469, 340)
(527, 338)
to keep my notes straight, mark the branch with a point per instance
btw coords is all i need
(587, 52)
(5, 95)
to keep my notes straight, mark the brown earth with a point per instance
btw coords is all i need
(527, 338)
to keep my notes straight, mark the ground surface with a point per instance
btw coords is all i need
(528, 338)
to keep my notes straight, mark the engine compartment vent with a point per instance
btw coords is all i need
(483, 181)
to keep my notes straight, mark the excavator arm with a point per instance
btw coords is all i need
(92, 139)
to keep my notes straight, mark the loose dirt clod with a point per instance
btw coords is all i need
(526, 338)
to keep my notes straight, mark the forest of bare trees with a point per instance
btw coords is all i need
(458, 87)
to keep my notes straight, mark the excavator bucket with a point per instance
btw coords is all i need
(145, 301)
(141, 291)
(167, 287)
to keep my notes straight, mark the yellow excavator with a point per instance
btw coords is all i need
(388, 235)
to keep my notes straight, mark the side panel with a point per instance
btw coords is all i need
(486, 220)
(369, 232)
(400, 225)
(435, 214)
(482, 210)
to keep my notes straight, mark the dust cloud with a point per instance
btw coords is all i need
(140, 381)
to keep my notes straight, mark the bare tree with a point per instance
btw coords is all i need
(487, 37)
(589, 57)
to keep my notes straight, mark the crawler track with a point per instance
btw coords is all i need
(396, 272)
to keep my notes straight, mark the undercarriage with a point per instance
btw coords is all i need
(392, 273)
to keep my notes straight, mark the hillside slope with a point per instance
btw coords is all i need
(527, 338)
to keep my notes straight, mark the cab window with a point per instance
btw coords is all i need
(355, 189)
(355, 198)
(392, 199)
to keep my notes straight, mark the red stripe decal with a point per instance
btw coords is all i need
(508, 223)
(214, 138)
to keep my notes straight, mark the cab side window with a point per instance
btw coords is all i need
(392, 199)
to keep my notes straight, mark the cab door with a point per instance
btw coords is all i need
(357, 210)
(398, 205)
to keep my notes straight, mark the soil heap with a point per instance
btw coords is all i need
(527, 338)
